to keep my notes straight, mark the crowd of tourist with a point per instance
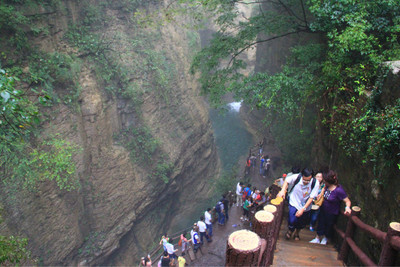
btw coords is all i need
(201, 230)
(314, 200)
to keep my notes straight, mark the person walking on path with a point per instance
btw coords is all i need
(246, 192)
(247, 167)
(195, 239)
(181, 261)
(279, 182)
(185, 243)
(260, 147)
(267, 168)
(304, 190)
(315, 212)
(164, 241)
(146, 261)
(219, 208)
(262, 160)
(253, 160)
(208, 221)
(171, 250)
(165, 260)
(334, 194)
(225, 201)
(246, 208)
(203, 230)
(239, 192)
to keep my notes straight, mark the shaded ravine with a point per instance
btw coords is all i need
(231, 136)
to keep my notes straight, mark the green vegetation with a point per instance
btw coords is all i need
(51, 71)
(149, 70)
(226, 182)
(141, 144)
(13, 250)
(24, 161)
(92, 244)
(24, 164)
(145, 150)
(337, 80)
(52, 160)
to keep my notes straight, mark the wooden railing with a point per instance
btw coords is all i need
(390, 240)
(158, 251)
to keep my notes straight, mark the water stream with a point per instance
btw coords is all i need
(232, 138)
(233, 142)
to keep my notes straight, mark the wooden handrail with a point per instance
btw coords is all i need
(360, 254)
(390, 240)
(395, 242)
(373, 232)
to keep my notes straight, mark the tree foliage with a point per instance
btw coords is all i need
(341, 77)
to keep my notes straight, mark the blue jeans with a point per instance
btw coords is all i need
(209, 229)
(297, 222)
(204, 234)
(221, 218)
(314, 217)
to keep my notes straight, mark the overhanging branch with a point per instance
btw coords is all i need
(262, 41)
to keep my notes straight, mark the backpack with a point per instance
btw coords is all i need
(314, 181)
(246, 192)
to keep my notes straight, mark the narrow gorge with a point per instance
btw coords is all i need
(146, 148)
(111, 126)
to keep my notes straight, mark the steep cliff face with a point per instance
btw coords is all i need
(124, 203)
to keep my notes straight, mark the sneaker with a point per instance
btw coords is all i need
(312, 229)
(315, 241)
(324, 241)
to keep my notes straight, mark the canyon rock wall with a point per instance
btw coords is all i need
(123, 204)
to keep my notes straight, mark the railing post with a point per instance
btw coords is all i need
(243, 249)
(344, 250)
(280, 205)
(388, 254)
(263, 224)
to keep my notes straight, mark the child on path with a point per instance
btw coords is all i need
(247, 204)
